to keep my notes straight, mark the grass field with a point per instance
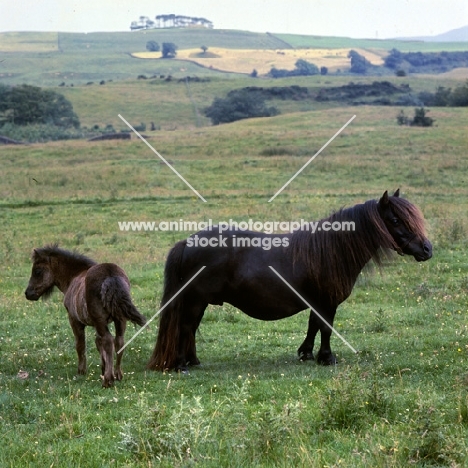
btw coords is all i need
(246, 60)
(401, 401)
(50, 59)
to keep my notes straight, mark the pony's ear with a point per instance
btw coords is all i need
(36, 254)
(397, 193)
(383, 202)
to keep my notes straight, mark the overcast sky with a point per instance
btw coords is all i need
(352, 18)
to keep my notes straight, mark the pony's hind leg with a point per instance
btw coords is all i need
(120, 326)
(187, 341)
(105, 346)
(80, 343)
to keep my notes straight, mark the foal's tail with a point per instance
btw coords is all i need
(166, 349)
(115, 296)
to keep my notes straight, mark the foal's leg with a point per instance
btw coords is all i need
(120, 326)
(105, 346)
(80, 343)
(305, 350)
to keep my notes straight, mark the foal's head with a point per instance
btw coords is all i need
(53, 266)
(405, 223)
(42, 279)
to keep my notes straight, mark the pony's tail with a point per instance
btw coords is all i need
(166, 351)
(115, 296)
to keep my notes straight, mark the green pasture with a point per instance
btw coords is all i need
(75, 59)
(298, 41)
(401, 401)
(179, 104)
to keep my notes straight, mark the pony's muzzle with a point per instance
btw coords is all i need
(31, 295)
(425, 253)
(427, 249)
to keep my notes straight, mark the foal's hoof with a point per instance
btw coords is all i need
(107, 383)
(326, 359)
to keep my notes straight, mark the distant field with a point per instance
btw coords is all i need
(184, 38)
(28, 41)
(245, 60)
(300, 42)
(51, 59)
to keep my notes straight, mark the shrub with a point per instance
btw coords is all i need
(359, 63)
(25, 104)
(153, 46)
(420, 118)
(459, 96)
(169, 50)
(238, 105)
(302, 68)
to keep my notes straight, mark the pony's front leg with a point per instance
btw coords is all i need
(119, 342)
(105, 346)
(305, 351)
(325, 355)
(80, 343)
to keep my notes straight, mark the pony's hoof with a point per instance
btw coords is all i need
(309, 356)
(183, 370)
(118, 375)
(81, 371)
(327, 359)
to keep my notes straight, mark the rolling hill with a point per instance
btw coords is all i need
(51, 59)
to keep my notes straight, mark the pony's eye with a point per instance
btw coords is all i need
(37, 272)
(395, 221)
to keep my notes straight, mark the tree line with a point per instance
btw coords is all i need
(415, 62)
(25, 104)
(170, 21)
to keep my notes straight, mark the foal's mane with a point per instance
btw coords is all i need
(74, 259)
(334, 259)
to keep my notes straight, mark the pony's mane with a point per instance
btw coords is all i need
(334, 259)
(73, 258)
(409, 214)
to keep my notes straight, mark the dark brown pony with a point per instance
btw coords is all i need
(94, 295)
(322, 267)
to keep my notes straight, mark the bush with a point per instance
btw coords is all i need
(459, 96)
(25, 104)
(169, 50)
(302, 68)
(153, 46)
(420, 118)
(236, 106)
(359, 63)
